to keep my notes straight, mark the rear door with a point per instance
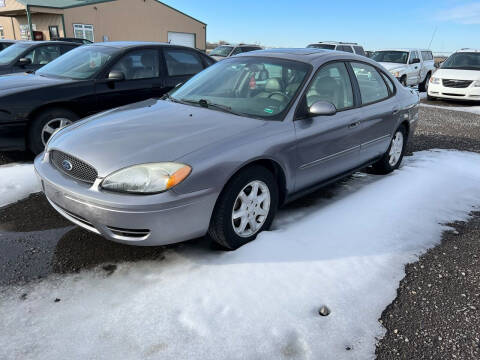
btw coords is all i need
(378, 110)
(180, 65)
(414, 68)
(327, 146)
(141, 68)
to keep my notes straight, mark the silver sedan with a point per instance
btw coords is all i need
(221, 153)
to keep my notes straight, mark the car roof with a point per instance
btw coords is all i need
(337, 43)
(53, 42)
(129, 44)
(468, 50)
(307, 55)
(404, 49)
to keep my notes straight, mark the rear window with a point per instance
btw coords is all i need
(346, 48)
(322, 46)
(359, 50)
(182, 62)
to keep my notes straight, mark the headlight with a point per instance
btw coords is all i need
(476, 83)
(147, 178)
(434, 80)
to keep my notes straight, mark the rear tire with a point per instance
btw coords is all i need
(45, 123)
(392, 159)
(423, 86)
(228, 227)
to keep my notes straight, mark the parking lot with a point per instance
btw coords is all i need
(44, 256)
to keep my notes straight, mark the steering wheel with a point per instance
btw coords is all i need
(279, 93)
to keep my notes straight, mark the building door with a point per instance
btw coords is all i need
(184, 39)
(53, 30)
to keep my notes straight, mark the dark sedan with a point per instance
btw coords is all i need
(6, 43)
(86, 81)
(25, 56)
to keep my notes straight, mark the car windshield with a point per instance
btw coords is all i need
(12, 52)
(322, 46)
(399, 57)
(463, 61)
(221, 51)
(80, 63)
(249, 86)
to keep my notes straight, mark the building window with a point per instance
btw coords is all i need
(82, 31)
(2, 33)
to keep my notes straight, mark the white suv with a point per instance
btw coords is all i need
(458, 77)
(339, 46)
(223, 51)
(410, 66)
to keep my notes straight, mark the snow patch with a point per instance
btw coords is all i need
(17, 181)
(260, 302)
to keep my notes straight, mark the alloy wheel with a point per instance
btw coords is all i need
(251, 208)
(51, 126)
(396, 149)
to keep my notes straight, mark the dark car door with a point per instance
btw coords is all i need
(181, 64)
(40, 56)
(379, 110)
(142, 79)
(327, 146)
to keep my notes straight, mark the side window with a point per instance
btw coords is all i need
(346, 48)
(42, 55)
(66, 48)
(237, 51)
(389, 83)
(182, 62)
(139, 64)
(372, 86)
(413, 55)
(331, 84)
(359, 50)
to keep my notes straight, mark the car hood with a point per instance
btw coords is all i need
(13, 83)
(455, 74)
(146, 132)
(393, 66)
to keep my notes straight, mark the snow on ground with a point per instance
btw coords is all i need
(17, 182)
(470, 109)
(261, 301)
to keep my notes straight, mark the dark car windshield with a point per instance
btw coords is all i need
(463, 61)
(80, 63)
(221, 51)
(399, 57)
(251, 86)
(12, 52)
(322, 46)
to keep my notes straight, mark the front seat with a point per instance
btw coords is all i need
(329, 90)
(148, 69)
(271, 86)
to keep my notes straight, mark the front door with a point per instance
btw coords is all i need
(328, 146)
(414, 68)
(378, 110)
(141, 71)
(40, 56)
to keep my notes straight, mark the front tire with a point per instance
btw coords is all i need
(45, 124)
(246, 207)
(392, 159)
(423, 86)
(403, 81)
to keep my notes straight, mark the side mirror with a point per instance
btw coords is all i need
(25, 61)
(116, 76)
(322, 108)
(414, 61)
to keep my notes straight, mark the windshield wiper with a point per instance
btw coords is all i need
(167, 96)
(207, 104)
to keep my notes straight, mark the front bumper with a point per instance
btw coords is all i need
(144, 220)
(470, 93)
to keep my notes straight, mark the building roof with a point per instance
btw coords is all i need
(66, 4)
(60, 4)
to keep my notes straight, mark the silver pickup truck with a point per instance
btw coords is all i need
(410, 66)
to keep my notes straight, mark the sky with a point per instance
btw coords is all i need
(373, 24)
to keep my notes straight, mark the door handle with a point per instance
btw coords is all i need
(353, 125)
(395, 111)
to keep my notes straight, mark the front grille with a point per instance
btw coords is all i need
(75, 168)
(459, 84)
(448, 94)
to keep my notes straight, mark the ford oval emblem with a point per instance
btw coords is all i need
(67, 165)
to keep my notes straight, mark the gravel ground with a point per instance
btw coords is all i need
(436, 314)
